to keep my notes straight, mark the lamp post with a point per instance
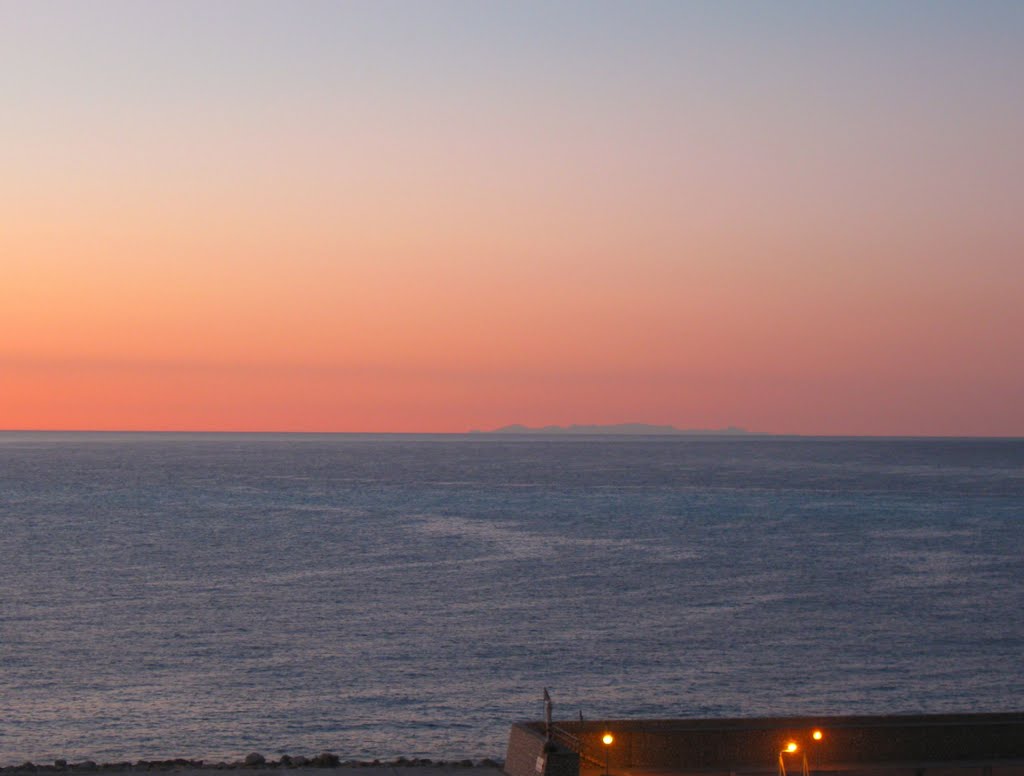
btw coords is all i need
(607, 739)
(791, 747)
(816, 735)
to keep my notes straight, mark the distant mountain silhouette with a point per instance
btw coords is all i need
(644, 429)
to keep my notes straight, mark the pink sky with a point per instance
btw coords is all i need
(449, 219)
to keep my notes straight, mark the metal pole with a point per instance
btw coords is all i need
(547, 714)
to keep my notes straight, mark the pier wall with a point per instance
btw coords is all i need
(530, 754)
(754, 744)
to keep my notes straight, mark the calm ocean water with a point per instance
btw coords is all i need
(210, 595)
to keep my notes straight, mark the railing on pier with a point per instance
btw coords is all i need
(574, 743)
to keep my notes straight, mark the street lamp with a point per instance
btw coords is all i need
(607, 739)
(791, 747)
(788, 748)
(816, 735)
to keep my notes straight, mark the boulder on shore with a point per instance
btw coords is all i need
(325, 760)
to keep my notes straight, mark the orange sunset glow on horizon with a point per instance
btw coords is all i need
(450, 216)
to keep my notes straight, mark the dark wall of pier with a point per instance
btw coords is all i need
(730, 744)
(530, 754)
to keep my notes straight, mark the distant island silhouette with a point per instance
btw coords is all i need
(640, 429)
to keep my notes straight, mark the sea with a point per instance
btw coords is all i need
(209, 595)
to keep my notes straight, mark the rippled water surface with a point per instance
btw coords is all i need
(208, 595)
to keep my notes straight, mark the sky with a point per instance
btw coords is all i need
(797, 217)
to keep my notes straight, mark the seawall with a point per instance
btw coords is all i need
(754, 744)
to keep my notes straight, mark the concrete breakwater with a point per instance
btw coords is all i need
(755, 744)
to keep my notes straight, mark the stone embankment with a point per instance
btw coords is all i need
(253, 764)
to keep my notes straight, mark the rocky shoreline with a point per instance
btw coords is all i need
(251, 762)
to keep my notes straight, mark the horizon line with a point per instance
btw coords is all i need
(681, 433)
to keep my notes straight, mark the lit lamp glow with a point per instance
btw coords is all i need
(789, 748)
(607, 739)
